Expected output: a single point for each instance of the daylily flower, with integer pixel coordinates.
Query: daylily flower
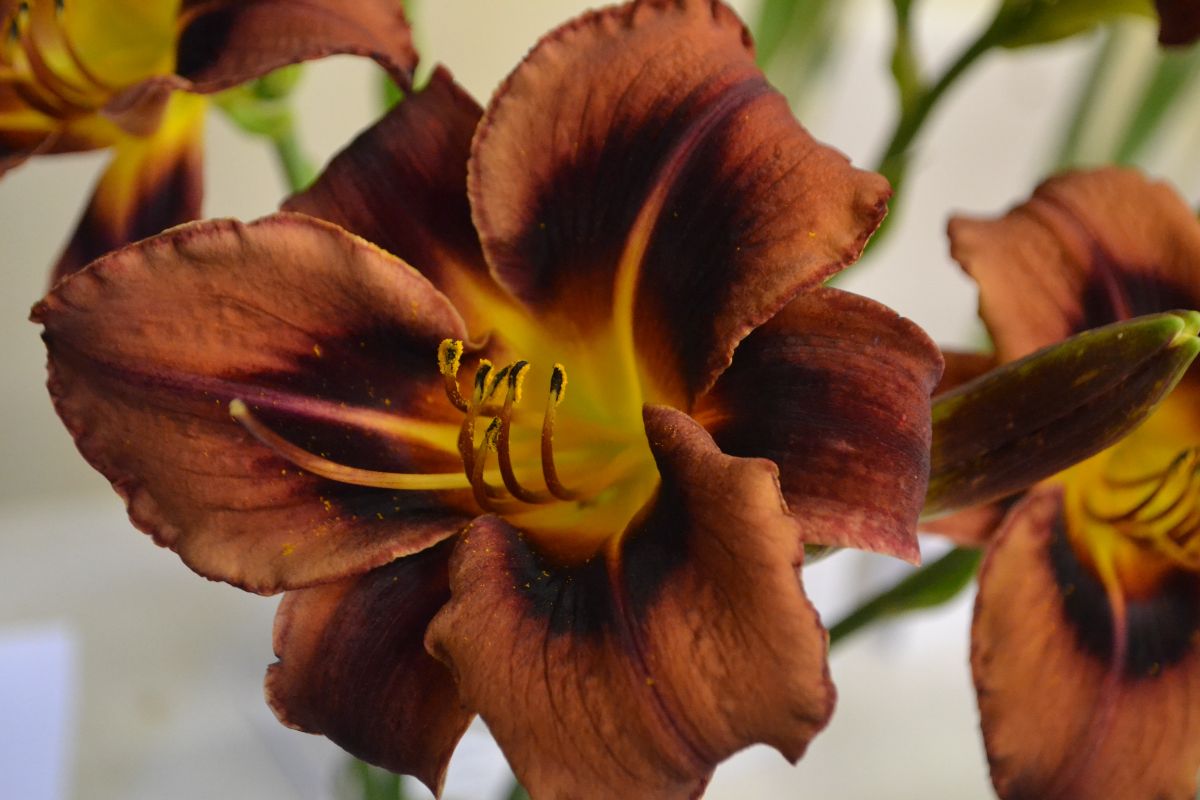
(1086, 638)
(593, 540)
(1179, 21)
(131, 74)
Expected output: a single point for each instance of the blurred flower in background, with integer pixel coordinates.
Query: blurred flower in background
(131, 74)
(1085, 642)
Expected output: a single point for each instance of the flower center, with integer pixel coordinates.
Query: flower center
(571, 501)
(1134, 509)
(43, 66)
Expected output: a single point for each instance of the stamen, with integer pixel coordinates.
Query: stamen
(558, 388)
(1166, 516)
(466, 434)
(449, 357)
(516, 379)
(339, 472)
(478, 486)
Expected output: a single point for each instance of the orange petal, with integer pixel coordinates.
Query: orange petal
(419, 211)
(637, 672)
(1061, 719)
(835, 390)
(638, 156)
(329, 340)
(1180, 21)
(352, 666)
(1087, 249)
(151, 184)
(226, 42)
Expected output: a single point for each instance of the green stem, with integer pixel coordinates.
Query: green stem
(517, 792)
(297, 167)
(931, 585)
(894, 162)
(1095, 80)
(373, 783)
(1174, 73)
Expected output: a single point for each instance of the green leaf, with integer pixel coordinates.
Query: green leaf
(1032, 418)
(1021, 23)
(932, 585)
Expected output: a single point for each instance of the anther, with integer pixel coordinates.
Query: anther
(558, 388)
(449, 357)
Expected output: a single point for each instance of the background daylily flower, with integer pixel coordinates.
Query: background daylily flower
(1180, 21)
(594, 540)
(130, 75)
(1085, 639)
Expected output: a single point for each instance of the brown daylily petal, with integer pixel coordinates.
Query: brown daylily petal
(640, 670)
(1087, 249)
(226, 42)
(638, 156)
(324, 336)
(1061, 720)
(835, 390)
(973, 527)
(420, 211)
(1180, 21)
(151, 184)
(353, 666)
(962, 368)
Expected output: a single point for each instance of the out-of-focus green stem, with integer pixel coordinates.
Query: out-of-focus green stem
(297, 168)
(1175, 72)
(893, 164)
(1091, 87)
(931, 585)
(373, 783)
(517, 792)
(906, 69)
(263, 108)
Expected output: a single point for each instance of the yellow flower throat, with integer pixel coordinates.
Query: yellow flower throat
(1133, 510)
(68, 58)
